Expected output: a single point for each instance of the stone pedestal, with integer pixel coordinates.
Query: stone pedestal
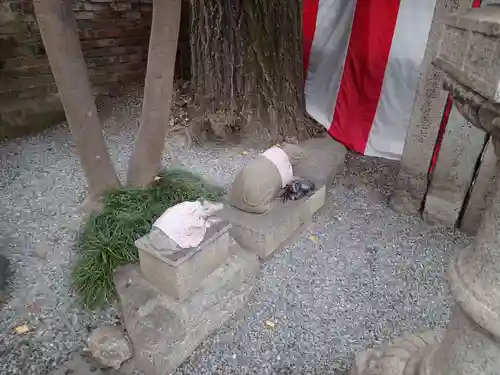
(470, 345)
(178, 271)
(265, 233)
(164, 331)
(177, 297)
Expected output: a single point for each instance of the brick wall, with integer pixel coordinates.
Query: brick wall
(114, 36)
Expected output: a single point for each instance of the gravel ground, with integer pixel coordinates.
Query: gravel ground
(360, 275)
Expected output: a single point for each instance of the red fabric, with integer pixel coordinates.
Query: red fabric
(309, 14)
(442, 128)
(369, 47)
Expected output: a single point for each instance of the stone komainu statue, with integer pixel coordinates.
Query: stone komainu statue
(258, 183)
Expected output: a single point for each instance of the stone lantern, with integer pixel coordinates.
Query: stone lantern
(469, 55)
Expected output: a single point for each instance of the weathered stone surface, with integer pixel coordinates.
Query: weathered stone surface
(471, 343)
(263, 234)
(110, 346)
(476, 205)
(178, 271)
(323, 159)
(475, 275)
(465, 349)
(165, 331)
(425, 119)
(468, 50)
(460, 150)
(398, 357)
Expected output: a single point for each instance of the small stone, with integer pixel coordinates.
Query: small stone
(109, 345)
(42, 250)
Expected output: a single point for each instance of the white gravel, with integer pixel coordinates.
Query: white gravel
(366, 275)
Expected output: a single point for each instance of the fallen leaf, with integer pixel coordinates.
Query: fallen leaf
(314, 239)
(244, 152)
(22, 329)
(270, 324)
(157, 178)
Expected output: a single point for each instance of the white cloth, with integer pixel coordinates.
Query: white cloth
(186, 223)
(280, 159)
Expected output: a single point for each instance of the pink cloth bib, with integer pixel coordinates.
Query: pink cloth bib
(280, 159)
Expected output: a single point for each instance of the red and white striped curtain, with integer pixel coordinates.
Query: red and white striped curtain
(363, 61)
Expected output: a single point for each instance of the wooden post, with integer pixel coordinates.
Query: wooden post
(60, 36)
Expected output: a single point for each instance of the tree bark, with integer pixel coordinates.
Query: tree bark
(146, 155)
(59, 32)
(246, 67)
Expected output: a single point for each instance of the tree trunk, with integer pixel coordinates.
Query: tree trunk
(146, 156)
(247, 69)
(60, 36)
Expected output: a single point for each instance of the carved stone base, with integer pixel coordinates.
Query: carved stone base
(405, 356)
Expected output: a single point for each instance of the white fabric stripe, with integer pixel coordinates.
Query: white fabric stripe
(388, 132)
(328, 53)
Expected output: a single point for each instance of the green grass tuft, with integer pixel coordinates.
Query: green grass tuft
(107, 239)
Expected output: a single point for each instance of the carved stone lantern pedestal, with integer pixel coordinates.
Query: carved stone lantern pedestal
(470, 56)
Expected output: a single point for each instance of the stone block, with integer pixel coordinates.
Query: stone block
(426, 116)
(165, 331)
(460, 150)
(468, 50)
(482, 183)
(178, 271)
(265, 233)
(109, 346)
